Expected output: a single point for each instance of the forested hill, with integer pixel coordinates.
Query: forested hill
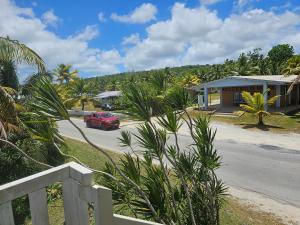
(247, 64)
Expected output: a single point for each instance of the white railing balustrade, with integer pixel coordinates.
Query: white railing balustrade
(78, 192)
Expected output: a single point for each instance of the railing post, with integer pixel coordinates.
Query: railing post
(103, 208)
(76, 210)
(38, 207)
(6, 214)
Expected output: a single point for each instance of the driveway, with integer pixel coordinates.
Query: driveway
(258, 162)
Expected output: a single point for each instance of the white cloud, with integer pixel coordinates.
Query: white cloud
(209, 2)
(131, 40)
(50, 18)
(21, 24)
(101, 17)
(89, 33)
(200, 36)
(142, 14)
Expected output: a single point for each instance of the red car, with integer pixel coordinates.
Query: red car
(102, 120)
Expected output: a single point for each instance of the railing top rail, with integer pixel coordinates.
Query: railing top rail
(26, 185)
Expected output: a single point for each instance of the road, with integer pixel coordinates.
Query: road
(262, 168)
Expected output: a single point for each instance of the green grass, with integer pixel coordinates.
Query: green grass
(233, 212)
(276, 123)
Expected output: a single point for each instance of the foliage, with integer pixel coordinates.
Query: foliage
(18, 125)
(80, 92)
(13, 50)
(278, 55)
(293, 68)
(179, 181)
(255, 104)
(63, 73)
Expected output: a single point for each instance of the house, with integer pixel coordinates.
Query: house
(108, 96)
(230, 89)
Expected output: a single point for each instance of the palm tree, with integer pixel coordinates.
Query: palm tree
(293, 68)
(13, 52)
(244, 67)
(80, 92)
(63, 73)
(255, 104)
(8, 75)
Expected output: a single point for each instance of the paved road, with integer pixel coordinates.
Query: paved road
(265, 169)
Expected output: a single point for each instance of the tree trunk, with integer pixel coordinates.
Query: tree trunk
(82, 106)
(260, 120)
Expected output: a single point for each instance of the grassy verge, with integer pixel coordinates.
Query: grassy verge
(233, 212)
(276, 123)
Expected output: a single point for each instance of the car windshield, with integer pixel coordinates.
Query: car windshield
(106, 115)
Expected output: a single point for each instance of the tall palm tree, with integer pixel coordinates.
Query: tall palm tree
(63, 73)
(293, 68)
(13, 52)
(244, 67)
(255, 104)
(80, 92)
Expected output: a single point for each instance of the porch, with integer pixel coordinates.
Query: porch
(230, 89)
(78, 194)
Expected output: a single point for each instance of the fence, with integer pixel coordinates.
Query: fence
(78, 192)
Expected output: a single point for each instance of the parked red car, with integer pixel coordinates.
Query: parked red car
(102, 120)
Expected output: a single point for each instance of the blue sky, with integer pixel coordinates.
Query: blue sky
(105, 37)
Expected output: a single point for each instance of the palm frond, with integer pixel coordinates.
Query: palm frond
(16, 51)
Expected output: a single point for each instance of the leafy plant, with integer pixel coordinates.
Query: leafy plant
(179, 181)
(255, 104)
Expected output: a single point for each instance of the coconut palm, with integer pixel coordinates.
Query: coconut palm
(293, 68)
(80, 92)
(19, 53)
(244, 67)
(63, 73)
(12, 52)
(255, 104)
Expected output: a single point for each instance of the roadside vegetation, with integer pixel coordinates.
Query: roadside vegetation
(232, 213)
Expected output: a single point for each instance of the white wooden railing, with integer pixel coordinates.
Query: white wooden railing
(78, 192)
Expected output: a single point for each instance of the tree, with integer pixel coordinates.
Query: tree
(255, 104)
(244, 67)
(80, 92)
(8, 74)
(182, 187)
(63, 73)
(293, 68)
(13, 50)
(11, 53)
(278, 55)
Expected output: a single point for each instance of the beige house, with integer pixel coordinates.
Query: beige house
(230, 89)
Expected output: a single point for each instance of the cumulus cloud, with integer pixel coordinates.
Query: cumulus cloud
(142, 14)
(131, 40)
(200, 36)
(101, 17)
(209, 2)
(21, 24)
(49, 18)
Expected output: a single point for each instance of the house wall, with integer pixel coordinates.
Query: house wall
(229, 92)
(293, 99)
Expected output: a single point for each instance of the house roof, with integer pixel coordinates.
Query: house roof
(236, 81)
(108, 94)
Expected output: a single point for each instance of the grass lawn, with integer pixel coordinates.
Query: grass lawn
(276, 123)
(233, 212)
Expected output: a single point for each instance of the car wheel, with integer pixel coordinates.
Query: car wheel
(88, 125)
